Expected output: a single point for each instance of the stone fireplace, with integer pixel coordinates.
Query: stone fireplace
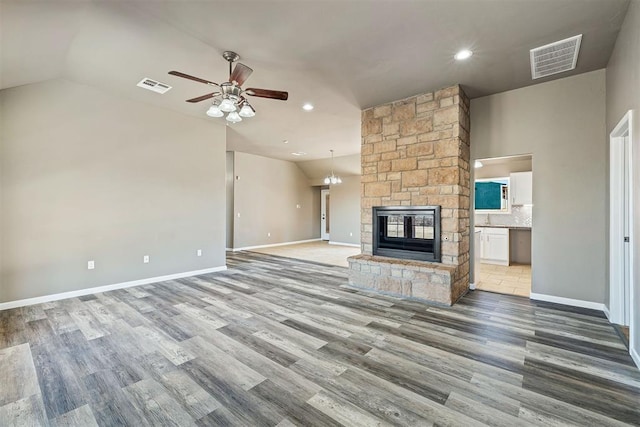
(415, 153)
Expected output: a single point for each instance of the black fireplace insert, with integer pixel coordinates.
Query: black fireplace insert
(409, 232)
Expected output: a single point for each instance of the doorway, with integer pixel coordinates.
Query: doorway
(503, 217)
(621, 225)
(325, 222)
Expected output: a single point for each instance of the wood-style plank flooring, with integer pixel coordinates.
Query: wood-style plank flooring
(277, 341)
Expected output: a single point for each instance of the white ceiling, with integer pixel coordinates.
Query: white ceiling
(342, 56)
(499, 167)
(341, 166)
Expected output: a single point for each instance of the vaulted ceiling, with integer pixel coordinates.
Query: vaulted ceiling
(342, 56)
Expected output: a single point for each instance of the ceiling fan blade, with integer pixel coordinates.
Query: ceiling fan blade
(196, 79)
(203, 97)
(266, 93)
(240, 74)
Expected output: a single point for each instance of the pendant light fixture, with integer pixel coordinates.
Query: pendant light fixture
(332, 179)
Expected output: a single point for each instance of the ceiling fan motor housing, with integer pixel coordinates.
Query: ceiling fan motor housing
(231, 91)
(230, 56)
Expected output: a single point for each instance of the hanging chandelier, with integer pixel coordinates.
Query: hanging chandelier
(332, 178)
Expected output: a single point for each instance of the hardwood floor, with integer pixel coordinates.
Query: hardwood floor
(278, 341)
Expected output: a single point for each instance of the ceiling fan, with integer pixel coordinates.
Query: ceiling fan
(229, 96)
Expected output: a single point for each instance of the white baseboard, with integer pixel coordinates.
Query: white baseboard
(89, 291)
(354, 245)
(246, 248)
(606, 312)
(635, 356)
(568, 301)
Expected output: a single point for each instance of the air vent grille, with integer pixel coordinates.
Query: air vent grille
(153, 85)
(555, 57)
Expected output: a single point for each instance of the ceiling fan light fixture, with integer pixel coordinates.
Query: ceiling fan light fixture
(227, 106)
(229, 96)
(247, 110)
(234, 117)
(214, 111)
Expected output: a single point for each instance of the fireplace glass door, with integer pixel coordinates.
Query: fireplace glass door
(408, 232)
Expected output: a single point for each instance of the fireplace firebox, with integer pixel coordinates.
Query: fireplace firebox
(408, 232)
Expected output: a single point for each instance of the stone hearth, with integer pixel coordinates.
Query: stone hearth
(415, 152)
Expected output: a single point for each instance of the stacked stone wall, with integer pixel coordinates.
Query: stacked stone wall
(415, 152)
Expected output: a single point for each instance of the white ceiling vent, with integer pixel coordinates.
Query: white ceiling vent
(555, 57)
(153, 85)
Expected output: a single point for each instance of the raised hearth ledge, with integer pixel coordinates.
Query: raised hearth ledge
(428, 281)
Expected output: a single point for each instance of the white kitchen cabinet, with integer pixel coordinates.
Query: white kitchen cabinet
(494, 245)
(521, 187)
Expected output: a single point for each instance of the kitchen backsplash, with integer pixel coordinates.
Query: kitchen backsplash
(520, 216)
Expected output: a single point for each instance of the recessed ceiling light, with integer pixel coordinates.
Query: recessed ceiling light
(299, 153)
(307, 107)
(463, 54)
(286, 141)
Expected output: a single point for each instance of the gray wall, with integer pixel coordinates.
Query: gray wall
(229, 184)
(623, 94)
(345, 211)
(562, 124)
(266, 196)
(87, 176)
(345, 198)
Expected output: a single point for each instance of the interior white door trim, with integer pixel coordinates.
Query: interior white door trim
(324, 214)
(621, 298)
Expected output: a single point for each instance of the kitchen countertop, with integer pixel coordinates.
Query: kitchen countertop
(511, 227)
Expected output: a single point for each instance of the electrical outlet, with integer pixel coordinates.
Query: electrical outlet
(351, 234)
(145, 259)
(268, 234)
(238, 214)
(199, 252)
(91, 265)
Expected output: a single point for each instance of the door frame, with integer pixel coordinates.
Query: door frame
(618, 303)
(324, 214)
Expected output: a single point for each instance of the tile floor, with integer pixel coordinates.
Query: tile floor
(514, 279)
(320, 251)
